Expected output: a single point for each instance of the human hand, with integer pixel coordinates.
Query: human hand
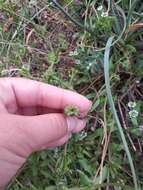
(31, 119)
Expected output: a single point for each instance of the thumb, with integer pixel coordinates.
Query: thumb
(39, 131)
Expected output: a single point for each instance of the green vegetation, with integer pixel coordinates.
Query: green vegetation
(95, 48)
(71, 111)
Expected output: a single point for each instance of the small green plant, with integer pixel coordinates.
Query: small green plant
(134, 110)
(62, 46)
(71, 111)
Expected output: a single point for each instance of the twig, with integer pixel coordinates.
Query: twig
(135, 26)
(28, 36)
(105, 141)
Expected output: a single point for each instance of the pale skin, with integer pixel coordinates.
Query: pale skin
(32, 119)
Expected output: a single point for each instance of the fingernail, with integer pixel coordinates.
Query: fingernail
(81, 125)
(73, 123)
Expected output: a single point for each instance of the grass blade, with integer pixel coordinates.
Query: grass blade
(111, 102)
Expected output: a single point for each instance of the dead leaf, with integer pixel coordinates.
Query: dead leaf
(135, 26)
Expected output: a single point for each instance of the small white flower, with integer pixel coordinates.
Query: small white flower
(77, 61)
(73, 53)
(137, 81)
(90, 64)
(104, 14)
(88, 67)
(100, 8)
(132, 104)
(133, 113)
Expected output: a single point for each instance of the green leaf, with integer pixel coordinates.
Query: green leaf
(85, 165)
(52, 58)
(101, 179)
(113, 109)
(95, 105)
(91, 95)
(84, 179)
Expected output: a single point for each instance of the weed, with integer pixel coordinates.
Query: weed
(71, 111)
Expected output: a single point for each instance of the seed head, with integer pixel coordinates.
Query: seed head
(71, 111)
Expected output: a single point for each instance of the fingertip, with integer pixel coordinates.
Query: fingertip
(86, 108)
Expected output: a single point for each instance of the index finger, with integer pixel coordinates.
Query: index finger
(32, 93)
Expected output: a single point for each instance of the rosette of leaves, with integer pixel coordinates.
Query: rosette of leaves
(71, 111)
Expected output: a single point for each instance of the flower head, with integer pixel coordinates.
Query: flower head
(132, 104)
(71, 111)
(73, 53)
(133, 113)
(104, 14)
(100, 8)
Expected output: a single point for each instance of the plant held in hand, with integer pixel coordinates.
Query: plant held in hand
(71, 110)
